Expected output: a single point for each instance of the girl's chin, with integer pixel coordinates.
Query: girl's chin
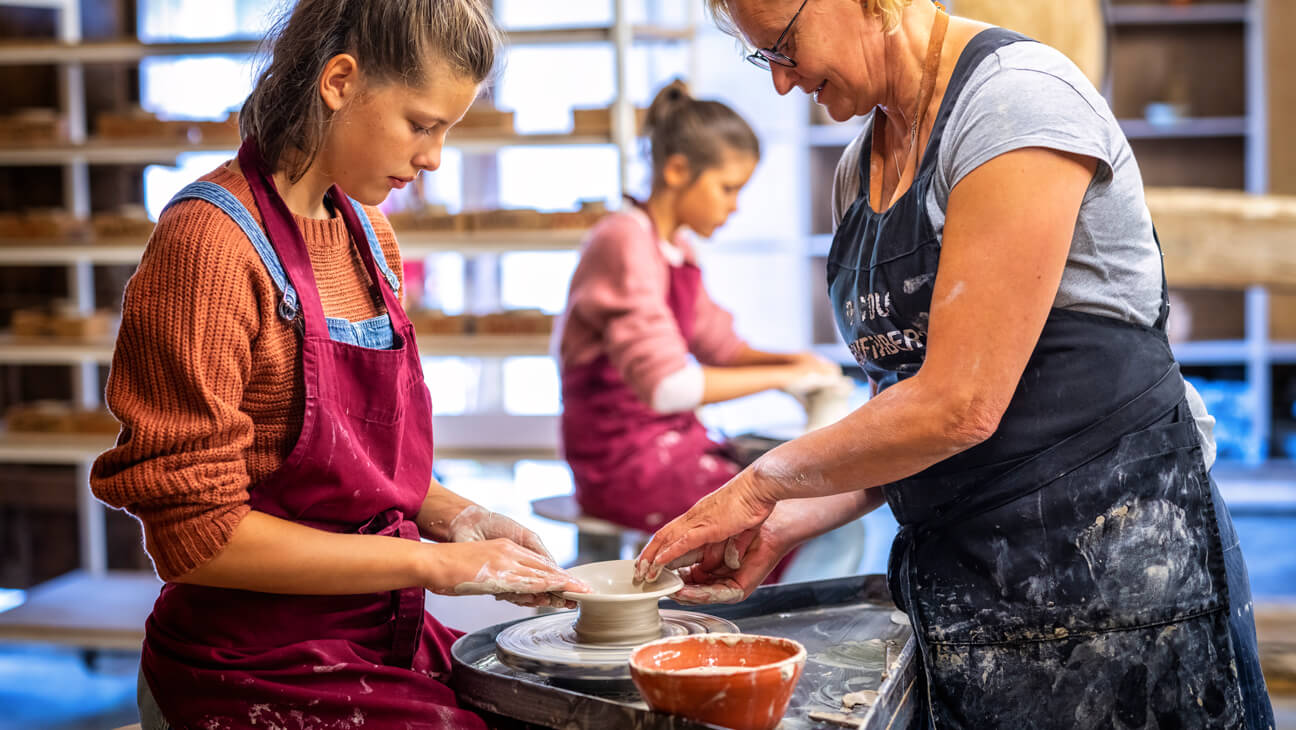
(368, 195)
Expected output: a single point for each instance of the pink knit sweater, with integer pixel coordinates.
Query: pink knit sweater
(618, 306)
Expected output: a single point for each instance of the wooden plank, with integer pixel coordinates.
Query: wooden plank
(1074, 28)
(1276, 632)
(1225, 239)
(78, 609)
(1279, 25)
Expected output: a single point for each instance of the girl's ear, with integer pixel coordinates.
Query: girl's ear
(339, 80)
(677, 173)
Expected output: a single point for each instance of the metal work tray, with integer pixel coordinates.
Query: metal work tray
(845, 624)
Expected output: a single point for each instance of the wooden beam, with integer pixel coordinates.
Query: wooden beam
(1223, 239)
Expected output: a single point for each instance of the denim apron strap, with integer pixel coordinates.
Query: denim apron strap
(231, 206)
(375, 247)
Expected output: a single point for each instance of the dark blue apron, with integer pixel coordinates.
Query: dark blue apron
(1067, 572)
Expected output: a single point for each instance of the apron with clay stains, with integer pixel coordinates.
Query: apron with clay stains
(229, 659)
(1068, 572)
(632, 465)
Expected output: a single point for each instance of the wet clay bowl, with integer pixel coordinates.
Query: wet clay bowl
(619, 611)
(742, 681)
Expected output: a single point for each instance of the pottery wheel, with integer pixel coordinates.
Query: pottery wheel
(548, 645)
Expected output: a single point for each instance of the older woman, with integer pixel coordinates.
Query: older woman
(1064, 557)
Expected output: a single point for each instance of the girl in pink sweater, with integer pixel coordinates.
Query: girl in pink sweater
(637, 311)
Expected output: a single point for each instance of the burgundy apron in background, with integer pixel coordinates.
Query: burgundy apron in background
(632, 465)
(224, 658)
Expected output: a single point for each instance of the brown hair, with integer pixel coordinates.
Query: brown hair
(391, 39)
(888, 10)
(699, 129)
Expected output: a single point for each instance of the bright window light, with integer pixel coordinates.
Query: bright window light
(161, 183)
(453, 383)
(531, 386)
(536, 280)
(195, 87)
(172, 20)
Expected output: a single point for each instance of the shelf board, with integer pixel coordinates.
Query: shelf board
(512, 438)
(52, 448)
(1193, 13)
(1231, 352)
(84, 610)
(414, 243)
(101, 152)
(1267, 487)
(483, 345)
(1186, 128)
(54, 4)
(71, 351)
(55, 350)
(58, 252)
(13, 53)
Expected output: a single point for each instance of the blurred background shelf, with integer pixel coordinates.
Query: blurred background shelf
(515, 438)
(1186, 128)
(414, 244)
(23, 53)
(102, 152)
(69, 351)
(1185, 13)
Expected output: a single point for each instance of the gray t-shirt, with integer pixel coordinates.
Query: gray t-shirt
(1031, 95)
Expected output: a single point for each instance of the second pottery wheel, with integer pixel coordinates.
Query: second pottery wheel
(594, 643)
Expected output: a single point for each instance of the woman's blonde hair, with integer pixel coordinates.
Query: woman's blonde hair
(888, 10)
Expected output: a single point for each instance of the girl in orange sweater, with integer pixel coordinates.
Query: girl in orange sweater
(277, 434)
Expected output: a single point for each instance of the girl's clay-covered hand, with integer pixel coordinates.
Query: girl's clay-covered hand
(721, 525)
(478, 523)
(497, 567)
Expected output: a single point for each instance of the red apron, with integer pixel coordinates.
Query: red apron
(222, 658)
(632, 465)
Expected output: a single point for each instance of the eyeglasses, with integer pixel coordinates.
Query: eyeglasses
(763, 58)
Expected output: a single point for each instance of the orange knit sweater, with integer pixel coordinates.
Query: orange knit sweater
(206, 378)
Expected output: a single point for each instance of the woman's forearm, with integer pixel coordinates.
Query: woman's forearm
(269, 554)
(799, 520)
(898, 433)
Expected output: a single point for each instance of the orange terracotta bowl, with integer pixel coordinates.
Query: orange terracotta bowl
(741, 681)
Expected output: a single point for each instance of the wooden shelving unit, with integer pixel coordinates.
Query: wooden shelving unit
(487, 436)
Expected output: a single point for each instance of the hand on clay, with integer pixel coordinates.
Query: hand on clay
(475, 523)
(720, 527)
(730, 575)
(501, 568)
